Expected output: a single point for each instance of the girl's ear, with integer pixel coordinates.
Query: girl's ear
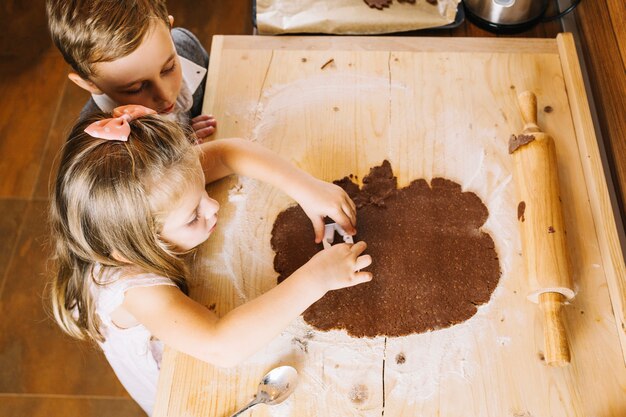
(83, 83)
(171, 18)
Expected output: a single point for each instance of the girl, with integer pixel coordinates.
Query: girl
(129, 203)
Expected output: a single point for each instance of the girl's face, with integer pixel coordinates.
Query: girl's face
(192, 218)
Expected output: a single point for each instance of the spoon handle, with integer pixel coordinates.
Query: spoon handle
(250, 404)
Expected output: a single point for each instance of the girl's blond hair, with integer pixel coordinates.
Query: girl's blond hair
(91, 31)
(108, 205)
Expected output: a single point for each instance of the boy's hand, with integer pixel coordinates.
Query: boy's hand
(339, 266)
(323, 199)
(204, 126)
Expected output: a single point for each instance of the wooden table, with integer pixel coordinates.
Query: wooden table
(433, 107)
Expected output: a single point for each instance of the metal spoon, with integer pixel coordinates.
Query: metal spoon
(274, 388)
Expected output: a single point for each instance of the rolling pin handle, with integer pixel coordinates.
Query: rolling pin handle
(528, 108)
(557, 350)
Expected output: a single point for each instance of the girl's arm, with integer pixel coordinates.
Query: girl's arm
(317, 198)
(191, 328)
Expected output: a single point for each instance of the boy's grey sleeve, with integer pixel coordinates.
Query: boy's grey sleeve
(188, 46)
(88, 109)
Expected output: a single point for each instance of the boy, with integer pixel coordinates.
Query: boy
(126, 52)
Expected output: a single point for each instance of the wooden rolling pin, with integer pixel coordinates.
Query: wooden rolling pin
(541, 222)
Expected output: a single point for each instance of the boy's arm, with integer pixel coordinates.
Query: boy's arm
(317, 198)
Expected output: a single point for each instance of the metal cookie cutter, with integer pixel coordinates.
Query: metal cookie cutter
(329, 235)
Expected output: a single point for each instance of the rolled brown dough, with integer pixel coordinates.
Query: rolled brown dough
(432, 264)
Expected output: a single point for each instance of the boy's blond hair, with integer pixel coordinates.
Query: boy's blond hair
(109, 202)
(91, 31)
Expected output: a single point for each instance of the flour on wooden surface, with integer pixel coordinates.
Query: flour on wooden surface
(333, 366)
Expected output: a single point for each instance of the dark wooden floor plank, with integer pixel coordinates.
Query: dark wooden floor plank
(208, 17)
(12, 215)
(35, 356)
(24, 29)
(41, 406)
(30, 93)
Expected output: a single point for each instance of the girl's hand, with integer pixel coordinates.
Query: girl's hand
(204, 126)
(339, 266)
(322, 199)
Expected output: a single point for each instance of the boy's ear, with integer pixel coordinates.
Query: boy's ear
(83, 83)
(171, 18)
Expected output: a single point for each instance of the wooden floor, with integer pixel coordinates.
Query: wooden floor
(42, 372)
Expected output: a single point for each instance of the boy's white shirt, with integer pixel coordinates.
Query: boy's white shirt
(192, 77)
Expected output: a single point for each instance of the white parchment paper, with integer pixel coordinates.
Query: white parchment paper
(350, 16)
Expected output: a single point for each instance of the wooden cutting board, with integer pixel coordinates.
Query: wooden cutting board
(432, 107)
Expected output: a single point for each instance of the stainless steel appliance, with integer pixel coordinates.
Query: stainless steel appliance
(505, 15)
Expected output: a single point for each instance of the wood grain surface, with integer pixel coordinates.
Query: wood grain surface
(433, 107)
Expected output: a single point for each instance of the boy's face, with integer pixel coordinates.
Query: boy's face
(150, 76)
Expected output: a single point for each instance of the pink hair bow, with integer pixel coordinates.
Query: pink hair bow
(117, 127)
